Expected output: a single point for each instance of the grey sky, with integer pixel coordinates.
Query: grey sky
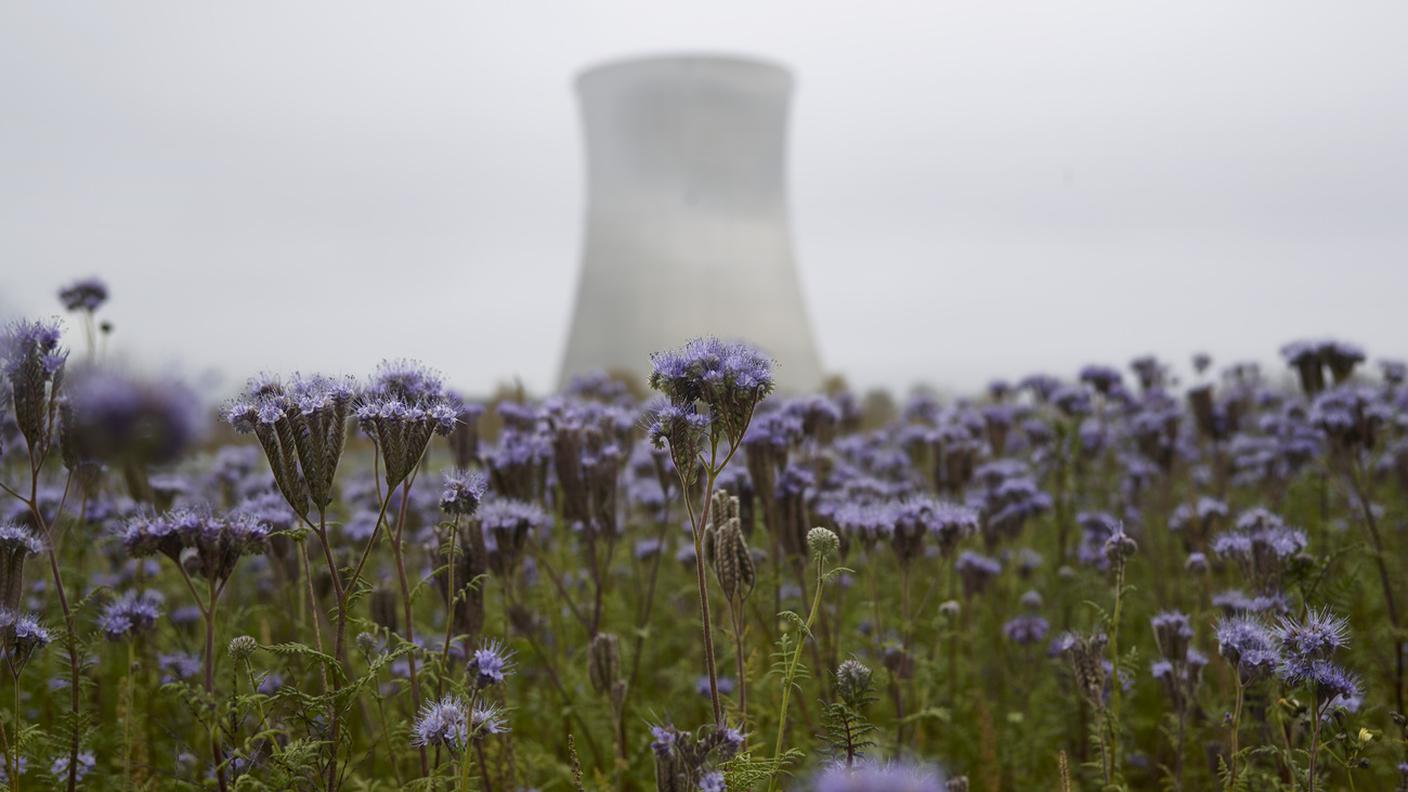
(978, 188)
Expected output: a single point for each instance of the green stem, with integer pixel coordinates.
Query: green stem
(1236, 726)
(791, 674)
(1113, 717)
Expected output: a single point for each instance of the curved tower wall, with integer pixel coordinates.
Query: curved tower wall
(687, 229)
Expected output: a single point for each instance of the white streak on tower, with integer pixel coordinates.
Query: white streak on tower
(687, 230)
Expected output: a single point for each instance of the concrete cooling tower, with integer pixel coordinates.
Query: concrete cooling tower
(687, 230)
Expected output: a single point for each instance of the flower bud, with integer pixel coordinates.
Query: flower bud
(822, 543)
(242, 647)
(604, 662)
(853, 683)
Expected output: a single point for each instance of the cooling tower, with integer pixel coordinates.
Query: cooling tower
(687, 230)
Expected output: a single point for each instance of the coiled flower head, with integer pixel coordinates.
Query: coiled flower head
(242, 647)
(822, 543)
(17, 542)
(853, 683)
(33, 363)
(21, 635)
(302, 428)
(726, 549)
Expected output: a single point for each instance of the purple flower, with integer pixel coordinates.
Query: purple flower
(32, 362)
(1172, 632)
(976, 571)
(726, 685)
(86, 764)
(1102, 378)
(130, 614)
(877, 777)
(23, 635)
(402, 430)
(730, 377)
(217, 542)
(1316, 637)
(86, 294)
(491, 664)
(1248, 644)
(1026, 630)
(463, 492)
(707, 369)
(487, 719)
(178, 665)
(406, 381)
(1072, 400)
(507, 526)
(113, 416)
(664, 738)
(17, 542)
(712, 782)
(442, 722)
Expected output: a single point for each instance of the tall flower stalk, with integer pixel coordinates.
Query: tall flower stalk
(728, 380)
(33, 365)
(203, 546)
(822, 544)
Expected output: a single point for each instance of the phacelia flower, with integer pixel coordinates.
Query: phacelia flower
(17, 542)
(487, 719)
(976, 571)
(33, 364)
(1025, 630)
(130, 614)
(442, 723)
(86, 764)
(86, 294)
(463, 491)
(730, 377)
(491, 664)
(21, 635)
(1249, 645)
(878, 777)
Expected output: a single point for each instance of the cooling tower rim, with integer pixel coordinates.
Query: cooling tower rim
(670, 63)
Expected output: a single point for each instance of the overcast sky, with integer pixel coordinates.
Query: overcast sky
(978, 189)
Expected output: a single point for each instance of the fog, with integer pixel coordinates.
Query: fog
(977, 189)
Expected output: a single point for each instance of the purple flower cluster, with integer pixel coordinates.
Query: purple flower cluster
(443, 723)
(879, 777)
(85, 294)
(205, 544)
(33, 364)
(130, 614)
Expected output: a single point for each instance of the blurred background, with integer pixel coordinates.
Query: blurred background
(977, 189)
